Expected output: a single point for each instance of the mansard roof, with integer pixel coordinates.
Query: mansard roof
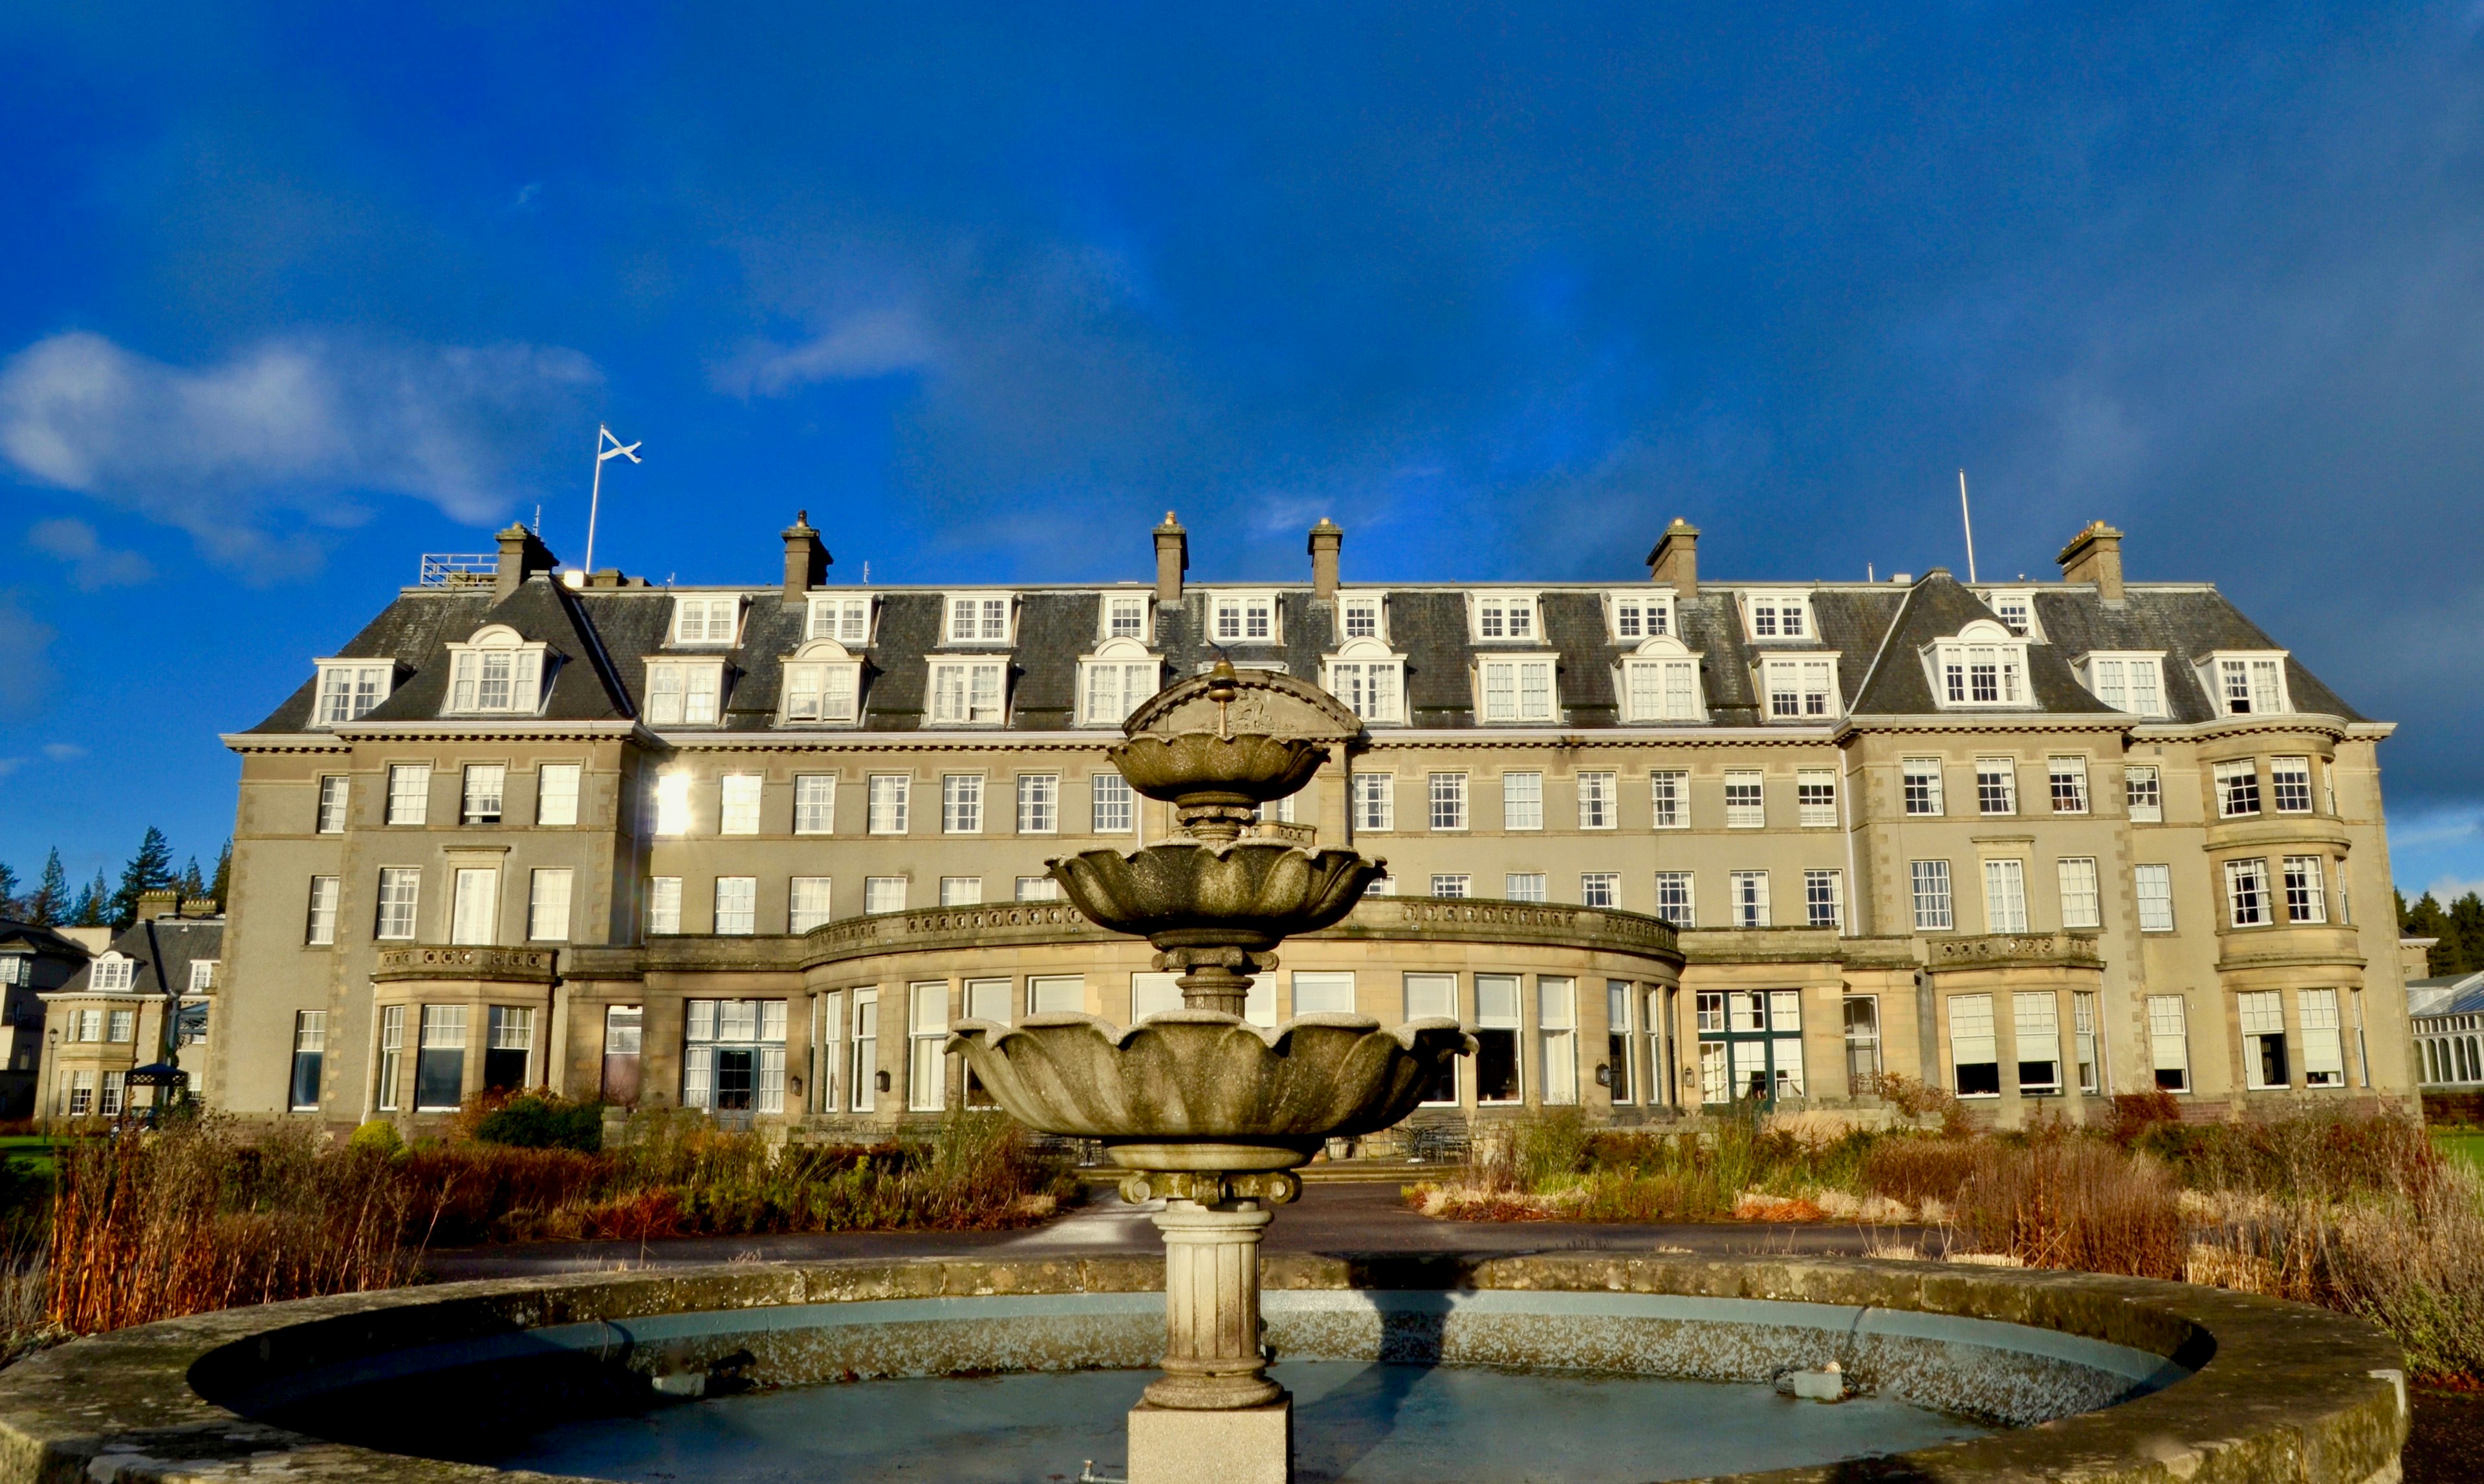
(163, 949)
(602, 638)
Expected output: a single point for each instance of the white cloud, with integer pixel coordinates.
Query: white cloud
(877, 342)
(289, 426)
(92, 563)
(63, 752)
(2449, 888)
(9, 765)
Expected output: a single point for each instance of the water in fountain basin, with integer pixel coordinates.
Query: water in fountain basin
(1355, 1423)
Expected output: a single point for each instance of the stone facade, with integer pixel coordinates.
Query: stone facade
(753, 849)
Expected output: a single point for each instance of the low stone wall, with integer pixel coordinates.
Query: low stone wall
(2279, 1391)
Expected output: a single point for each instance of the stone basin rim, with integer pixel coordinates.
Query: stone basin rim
(1119, 1036)
(2289, 1391)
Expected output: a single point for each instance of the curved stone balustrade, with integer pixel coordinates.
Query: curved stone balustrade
(2017, 950)
(430, 960)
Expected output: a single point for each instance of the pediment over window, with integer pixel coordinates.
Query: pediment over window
(1986, 630)
(1369, 678)
(1114, 680)
(828, 650)
(822, 683)
(498, 671)
(1663, 646)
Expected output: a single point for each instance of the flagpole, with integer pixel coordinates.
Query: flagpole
(595, 501)
(1969, 521)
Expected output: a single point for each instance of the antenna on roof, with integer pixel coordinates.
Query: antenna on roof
(866, 574)
(1969, 521)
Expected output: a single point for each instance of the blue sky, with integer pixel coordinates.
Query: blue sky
(296, 293)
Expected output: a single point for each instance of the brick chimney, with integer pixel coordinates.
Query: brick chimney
(1173, 559)
(2094, 555)
(1676, 559)
(1327, 540)
(522, 555)
(806, 561)
(158, 903)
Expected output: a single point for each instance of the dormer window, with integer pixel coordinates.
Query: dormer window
(2134, 683)
(846, 620)
(977, 618)
(1518, 690)
(969, 692)
(1639, 616)
(822, 683)
(1799, 688)
(1661, 683)
(2016, 607)
(1127, 616)
(113, 974)
(2246, 685)
(685, 692)
(1358, 616)
(350, 688)
(496, 673)
(1780, 616)
(706, 620)
(1244, 618)
(1369, 680)
(1114, 680)
(1505, 616)
(1984, 665)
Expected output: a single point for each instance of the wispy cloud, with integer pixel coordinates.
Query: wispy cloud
(92, 563)
(25, 657)
(63, 752)
(877, 342)
(224, 451)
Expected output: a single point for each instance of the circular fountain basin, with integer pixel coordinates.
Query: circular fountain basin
(1579, 1366)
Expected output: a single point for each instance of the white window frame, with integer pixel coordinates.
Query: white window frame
(883, 894)
(810, 901)
(1505, 695)
(1746, 902)
(2151, 885)
(664, 906)
(2259, 1015)
(1369, 679)
(1955, 665)
(1115, 603)
(1747, 798)
(1522, 800)
(1599, 799)
(1355, 602)
(319, 926)
(962, 803)
(706, 619)
(557, 807)
(2324, 1051)
(968, 620)
(670, 795)
(966, 692)
(1038, 804)
(2245, 681)
(1557, 1029)
(2082, 891)
(1523, 886)
(334, 808)
(1600, 888)
(2237, 786)
(2286, 775)
(2169, 1041)
(1245, 616)
(738, 797)
(396, 917)
(1499, 616)
(1634, 615)
(1114, 680)
(1678, 891)
(843, 619)
(2000, 600)
(822, 686)
(961, 891)
(887, 802)
(1112, 805)
(2143, 792)
(2065, 784)
(2126, 680)
(814, 803)
(1447, 803)
(736, 906)
(1668, 799)
(350, 689)
(1457, 883)
(548, 905)
(1777, 614)
(1800, 688)
(474, 906)
(482, 792)
(1823, 898)
(1935, 900)
(1814, 798)
(2035, 1025)
(2247, 894)
(1376, 802)
(2006, 769)
(2306, 890)
(1659, 683)
(2005, 895)
(525, 677)
(409, 793)
(1927, 773)
(1973, 1040)
(685, 692)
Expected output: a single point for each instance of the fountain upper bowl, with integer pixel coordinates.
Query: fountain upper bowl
(1204, 768)
(1243, 893)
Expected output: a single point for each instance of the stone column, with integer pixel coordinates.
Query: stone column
(1214, 1414)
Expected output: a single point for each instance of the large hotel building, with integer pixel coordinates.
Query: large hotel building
(1662, 844)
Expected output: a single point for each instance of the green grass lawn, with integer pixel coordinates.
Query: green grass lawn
(2467, 1147)
(34, 1149)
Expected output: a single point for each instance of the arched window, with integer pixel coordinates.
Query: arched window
(496, 672)
(822, 683)
(1660, 681)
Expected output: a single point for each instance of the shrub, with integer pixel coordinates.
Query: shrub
(2075, 1203)
(2134, 1114)
(1550, 1148)
(379, 1135)
(543, 1120)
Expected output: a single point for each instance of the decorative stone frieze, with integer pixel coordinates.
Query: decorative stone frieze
(428, 961)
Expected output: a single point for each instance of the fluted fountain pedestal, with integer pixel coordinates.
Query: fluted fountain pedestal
(1214, 1414)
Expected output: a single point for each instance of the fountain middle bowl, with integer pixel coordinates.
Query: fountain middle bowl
(1244, 893)
(1197, 1090)
(1205, 768)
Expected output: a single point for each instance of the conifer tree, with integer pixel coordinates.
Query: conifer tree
(49, 906)
(93, 908)
(194, 886)
(222, 886)
(9, 903)
(150, 870)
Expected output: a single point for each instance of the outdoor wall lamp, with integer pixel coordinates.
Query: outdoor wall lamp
(881, 1078)
(1603, 1075)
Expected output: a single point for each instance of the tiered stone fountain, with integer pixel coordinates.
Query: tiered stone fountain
(1206, 1110)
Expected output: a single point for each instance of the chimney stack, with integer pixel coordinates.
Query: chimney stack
(522, 555)
(1173, 559)
(1327, 540)
(1676, 559)
(2094, 555)
(806, 561)
(158, 903)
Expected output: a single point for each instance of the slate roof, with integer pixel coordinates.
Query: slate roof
(164, 947)
(39, 939)
(601, 639)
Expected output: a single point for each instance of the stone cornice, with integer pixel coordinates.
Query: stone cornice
(2296, 723)
(345, 739)
(1981, 722)
(249, 743)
